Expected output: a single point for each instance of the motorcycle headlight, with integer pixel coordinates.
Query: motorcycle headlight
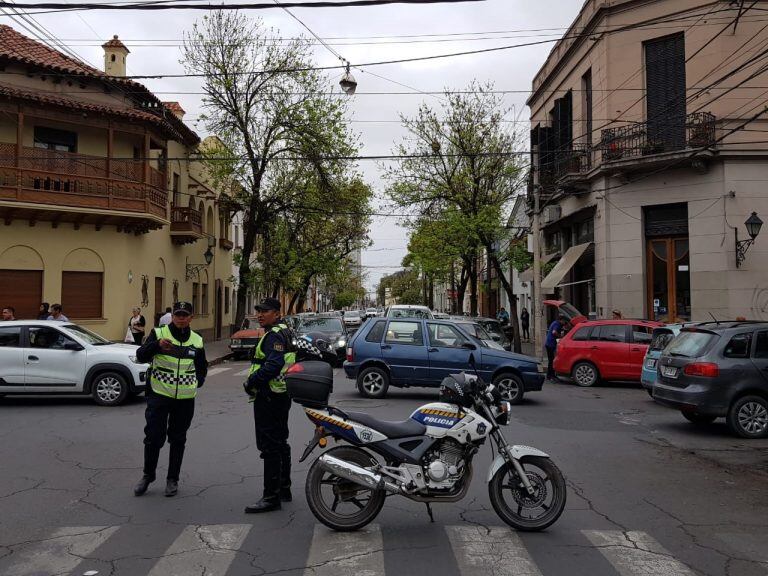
(341, 342)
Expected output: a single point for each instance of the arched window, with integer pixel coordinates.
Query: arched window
(112, 58)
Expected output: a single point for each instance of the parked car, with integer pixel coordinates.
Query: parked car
(407, 311)
(571, 313)
(659, 339)
(597, 350)
(496, 330)
(352, 318)
(718, 369)
(332, 327)
(474, 328)
(242, 342)
(407, 352)
(40, 356)
(440, 315)
(371, 312)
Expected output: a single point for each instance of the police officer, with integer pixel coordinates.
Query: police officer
(178, 369)
(272, 357)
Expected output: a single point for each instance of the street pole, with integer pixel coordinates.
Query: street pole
(538, 306)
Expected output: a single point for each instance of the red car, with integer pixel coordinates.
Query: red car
(604, 350)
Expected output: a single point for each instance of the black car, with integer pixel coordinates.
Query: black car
(496, 330)
(332, 327)
(718, 369)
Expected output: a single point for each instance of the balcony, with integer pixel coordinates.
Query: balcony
(186, 225)
(55, 186)
(646, 144)
(225, 244)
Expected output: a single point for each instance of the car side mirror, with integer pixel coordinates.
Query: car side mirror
(469, 346)
(74, 346)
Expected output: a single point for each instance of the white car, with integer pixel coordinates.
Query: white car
(45, 356)
(371, 312)
(408, 311)
(352, 318)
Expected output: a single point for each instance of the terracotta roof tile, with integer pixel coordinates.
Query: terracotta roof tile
(174, 107)
(115, 42)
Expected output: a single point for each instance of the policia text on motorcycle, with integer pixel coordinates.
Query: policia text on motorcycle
(178, 369)
(273, 355)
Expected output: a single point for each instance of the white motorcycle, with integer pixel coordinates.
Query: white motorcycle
(427, 458)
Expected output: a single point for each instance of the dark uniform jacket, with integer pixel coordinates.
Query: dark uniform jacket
(151, 346)
(274, 347)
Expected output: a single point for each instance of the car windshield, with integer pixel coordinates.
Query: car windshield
(491, 325)
(408, 313)
(690, 344)
(320, 325)
(660, 339)
(352, 314)
(87, 335)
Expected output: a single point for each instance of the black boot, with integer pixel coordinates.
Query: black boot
(285, 494)
(141, 488)
(266, 504)
(171, 487)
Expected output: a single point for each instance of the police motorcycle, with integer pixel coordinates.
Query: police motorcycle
(427, 458)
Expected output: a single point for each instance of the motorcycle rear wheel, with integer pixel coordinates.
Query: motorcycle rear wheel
(321, 485)
(511, 501)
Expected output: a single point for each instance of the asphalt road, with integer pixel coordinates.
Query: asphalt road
(649, 495)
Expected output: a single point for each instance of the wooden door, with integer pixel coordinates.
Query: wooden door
(219, 309)
(23, 290)
(159, 296)
(669, 285)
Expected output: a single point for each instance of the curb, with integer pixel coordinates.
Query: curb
(220, 359)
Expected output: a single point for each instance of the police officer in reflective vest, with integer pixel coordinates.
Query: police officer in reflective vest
(179, 368)
(273, 355)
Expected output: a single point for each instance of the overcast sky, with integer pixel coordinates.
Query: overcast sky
(505, 22)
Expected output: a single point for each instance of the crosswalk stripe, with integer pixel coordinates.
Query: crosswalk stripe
(205, 550)
(497, 551)
(243, 372)
(60, 553)
(636, 554)
(218, 370)
(358, 553)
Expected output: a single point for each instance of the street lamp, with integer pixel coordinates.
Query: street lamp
(193, 270)
(348, 83)
(753, 226)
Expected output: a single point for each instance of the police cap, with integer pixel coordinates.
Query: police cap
(182, 307)
(268, 304)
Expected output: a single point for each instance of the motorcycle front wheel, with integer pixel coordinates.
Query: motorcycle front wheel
(338, 503)
(524, 511)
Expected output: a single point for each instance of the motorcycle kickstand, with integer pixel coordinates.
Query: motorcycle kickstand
(429, 511)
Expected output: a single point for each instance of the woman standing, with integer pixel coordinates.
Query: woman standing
(136, 325)
(525, 323)
(44, 311)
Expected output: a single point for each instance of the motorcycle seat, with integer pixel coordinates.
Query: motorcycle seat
(390, 429)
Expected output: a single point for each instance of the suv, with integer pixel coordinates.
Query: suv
(597, 350)
(718, 369)
(45, 356)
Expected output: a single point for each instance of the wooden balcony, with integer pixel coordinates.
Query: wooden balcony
(54, 186)
(225, 244)
(186, 225)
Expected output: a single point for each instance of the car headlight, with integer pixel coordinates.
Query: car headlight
(134, 360)
(236, 342)
(341, 342)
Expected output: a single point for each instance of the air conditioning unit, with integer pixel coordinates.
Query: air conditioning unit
(552, 213)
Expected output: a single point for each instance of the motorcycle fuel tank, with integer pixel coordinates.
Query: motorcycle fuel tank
(443, 419)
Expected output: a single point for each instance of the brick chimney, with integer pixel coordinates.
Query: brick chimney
(176, 108)
(114, 57)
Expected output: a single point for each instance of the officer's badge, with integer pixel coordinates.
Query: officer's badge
(278, 347)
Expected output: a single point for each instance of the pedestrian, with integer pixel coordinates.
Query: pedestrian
(9, 313)
(502, 316)
(136, 324)
(525, 323)
(165, 319)
(616, 315)
(43, 313)
(553, 333)
(178, 368)
(273, 355)
(57, 314)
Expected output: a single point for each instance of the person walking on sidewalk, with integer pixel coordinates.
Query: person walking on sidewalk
(57, 313)
(553, 333)
(136, 324)
(273, 355)
(525, 324)
(178, 369)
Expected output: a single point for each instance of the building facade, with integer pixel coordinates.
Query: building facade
(648, 158)
(103, 206)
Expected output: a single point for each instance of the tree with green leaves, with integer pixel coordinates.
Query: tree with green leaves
(464, 157)
(268, 106)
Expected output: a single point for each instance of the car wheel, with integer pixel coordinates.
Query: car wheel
(698, 418)
(109, 389)
(585, 374)
(511, 387)
(748, 417)
(373, 383)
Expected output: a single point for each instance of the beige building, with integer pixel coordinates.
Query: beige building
(649, 154)
(101, 206)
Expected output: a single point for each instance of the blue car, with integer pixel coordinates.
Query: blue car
(406, 352)
(659, 340)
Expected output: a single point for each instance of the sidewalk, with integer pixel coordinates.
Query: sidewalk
(217, 351)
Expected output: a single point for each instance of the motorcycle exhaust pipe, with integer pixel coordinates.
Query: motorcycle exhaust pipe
(356, 474)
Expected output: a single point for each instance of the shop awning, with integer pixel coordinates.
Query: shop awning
(527, 274)
(567, 262)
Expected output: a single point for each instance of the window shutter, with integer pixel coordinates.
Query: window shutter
(81, 294)
(23, 290)
(665, 91)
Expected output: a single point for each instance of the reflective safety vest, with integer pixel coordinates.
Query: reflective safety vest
(276, 384)
(171, 375)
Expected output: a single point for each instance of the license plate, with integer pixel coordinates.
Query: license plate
(650, 363)
(669, 371)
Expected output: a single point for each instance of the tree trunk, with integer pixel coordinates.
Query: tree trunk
(461, 290)
(513, 316)
(431, 293)
(473, 287)
(293, 302)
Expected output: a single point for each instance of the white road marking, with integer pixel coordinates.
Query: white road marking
(205, 550)
(636, 554)
(499, 552)
(60, 553)
(243, 372)
(218, 370)
(346, 553)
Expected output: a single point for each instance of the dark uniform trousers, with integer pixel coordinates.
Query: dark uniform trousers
(270, 414)
(171, 418)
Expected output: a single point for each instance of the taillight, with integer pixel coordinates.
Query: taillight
(295, 368)
(705, 369)
(350, 354)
